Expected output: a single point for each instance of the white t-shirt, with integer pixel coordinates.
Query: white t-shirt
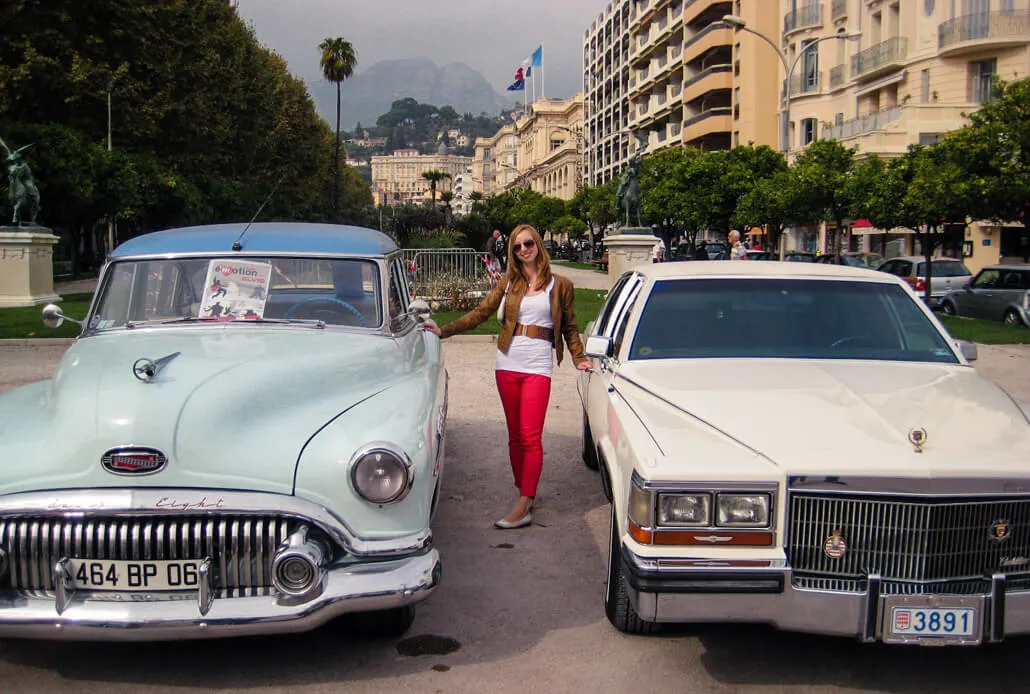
(531, 355)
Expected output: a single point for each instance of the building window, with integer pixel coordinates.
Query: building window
(927, 139)
(928, 7)
(982, 72)
(810, 64)
(838, 118)
(925, 87)
(1008, 5)
(808, 130)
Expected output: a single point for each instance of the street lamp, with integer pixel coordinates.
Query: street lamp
(738, 23)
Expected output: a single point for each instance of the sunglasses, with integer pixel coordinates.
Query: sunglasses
(525, 244)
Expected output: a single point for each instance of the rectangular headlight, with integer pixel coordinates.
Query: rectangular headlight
(742, 510)
(685, 509)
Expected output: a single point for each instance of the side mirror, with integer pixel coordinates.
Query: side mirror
(420, 310)
(53, 318)
(968, 349)
(598, 347)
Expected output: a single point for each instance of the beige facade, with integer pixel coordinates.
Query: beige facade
(918, 66)
(397, 178)
(550, 141)
(495, 164)
(672, 72)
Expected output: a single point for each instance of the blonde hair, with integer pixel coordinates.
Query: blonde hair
(516, 276)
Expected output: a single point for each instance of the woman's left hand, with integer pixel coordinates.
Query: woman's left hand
(585, 366)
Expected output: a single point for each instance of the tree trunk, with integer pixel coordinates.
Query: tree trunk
(336, 158)
(927, 254)
(838, 240)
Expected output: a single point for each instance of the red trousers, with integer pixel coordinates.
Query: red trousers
(524, 398)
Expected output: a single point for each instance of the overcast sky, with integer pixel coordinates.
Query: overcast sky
(491, 36)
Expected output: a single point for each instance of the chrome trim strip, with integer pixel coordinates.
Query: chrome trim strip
(202, 503)
(205, 591)
(907, 486)
(996, 630)
(63, 584)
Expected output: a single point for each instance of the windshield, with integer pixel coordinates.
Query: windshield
(786, 318)
(330, 291)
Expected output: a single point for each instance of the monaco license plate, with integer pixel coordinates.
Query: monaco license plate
(934, 619)
(120, 575)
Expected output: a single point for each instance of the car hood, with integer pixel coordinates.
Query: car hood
(232, 410)
(831, 417)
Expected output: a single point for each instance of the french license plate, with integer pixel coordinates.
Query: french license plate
(923, 618)
(120, 575)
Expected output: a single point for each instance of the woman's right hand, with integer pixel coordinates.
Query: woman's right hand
(431, 327)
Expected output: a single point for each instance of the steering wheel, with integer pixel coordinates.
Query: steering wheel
(326, 304)
(851, 339)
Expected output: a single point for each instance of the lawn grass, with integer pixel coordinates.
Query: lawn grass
(27, 321)
(578, 265)
(986, 332)
(588, 305)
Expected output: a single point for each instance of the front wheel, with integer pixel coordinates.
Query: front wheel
(617, 605)
(1012, 317)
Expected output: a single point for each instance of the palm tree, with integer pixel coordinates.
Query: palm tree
(476, 197)
(446, 197)
(434, 176)
(338, 62)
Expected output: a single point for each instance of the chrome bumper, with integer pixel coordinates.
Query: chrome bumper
(358, 588)
(769, 596)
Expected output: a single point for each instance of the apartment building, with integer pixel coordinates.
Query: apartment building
(397, 178)
(673, 71)
(916, 68)
(550, 140)
(495, 162)
(462, 187)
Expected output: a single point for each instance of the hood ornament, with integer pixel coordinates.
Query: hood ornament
(147, 369)
(917, 437)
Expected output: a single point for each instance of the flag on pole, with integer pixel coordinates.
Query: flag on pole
(538, 56)
(520, 82)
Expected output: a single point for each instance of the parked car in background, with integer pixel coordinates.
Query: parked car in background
(853, 259)
(948, 274)
(803, 446)
(246, 438)
(762, 255)
(799, 257)
(717, 250)
(998, 292)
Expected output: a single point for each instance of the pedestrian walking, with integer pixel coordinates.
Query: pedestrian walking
(737, 249)
(537, 312)
(499, 249)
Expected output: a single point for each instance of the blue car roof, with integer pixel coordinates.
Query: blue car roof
(264, 237)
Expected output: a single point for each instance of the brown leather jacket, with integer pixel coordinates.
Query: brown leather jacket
(563, 313)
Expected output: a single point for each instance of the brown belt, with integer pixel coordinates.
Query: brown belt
(535, 331)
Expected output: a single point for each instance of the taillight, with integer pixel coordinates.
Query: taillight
(920, 284)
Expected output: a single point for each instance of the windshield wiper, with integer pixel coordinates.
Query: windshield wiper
(164, 321)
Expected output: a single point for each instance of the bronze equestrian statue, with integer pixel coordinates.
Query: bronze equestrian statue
(23, 187)
(628, 197)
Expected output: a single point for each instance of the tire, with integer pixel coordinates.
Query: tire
(382, 624)
(948, 308)
(1012, 317)
(589, 449)
(617, 605)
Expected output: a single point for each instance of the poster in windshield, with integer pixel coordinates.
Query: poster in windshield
(235, 290)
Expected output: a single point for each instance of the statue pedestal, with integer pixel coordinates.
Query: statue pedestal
(630, 247)
(26, 266)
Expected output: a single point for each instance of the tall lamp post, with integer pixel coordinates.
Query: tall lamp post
(110, 221)
(788, 68)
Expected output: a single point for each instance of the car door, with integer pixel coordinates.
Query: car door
(596, 385)
(974, 302)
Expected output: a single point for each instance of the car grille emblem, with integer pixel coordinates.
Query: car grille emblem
(1000, 530)
(835, 547)
(917, 437)
(134, 461)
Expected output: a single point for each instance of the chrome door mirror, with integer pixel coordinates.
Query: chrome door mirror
(598, 347)
(968, 349)
(53, 317)
(419, 309)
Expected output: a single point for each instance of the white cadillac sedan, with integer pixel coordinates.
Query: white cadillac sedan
(803, 445)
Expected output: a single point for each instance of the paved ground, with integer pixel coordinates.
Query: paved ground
(523, 606)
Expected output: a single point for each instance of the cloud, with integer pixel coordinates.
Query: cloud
(487, 35)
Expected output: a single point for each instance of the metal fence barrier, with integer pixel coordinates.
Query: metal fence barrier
(448, 274)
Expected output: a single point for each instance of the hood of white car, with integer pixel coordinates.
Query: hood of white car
(831, 417)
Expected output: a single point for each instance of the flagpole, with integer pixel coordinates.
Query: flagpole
(542, 77)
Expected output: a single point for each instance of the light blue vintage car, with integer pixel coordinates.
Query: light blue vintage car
(247, 437)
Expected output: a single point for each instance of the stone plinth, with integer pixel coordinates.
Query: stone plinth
(630, 247)
(26, 266)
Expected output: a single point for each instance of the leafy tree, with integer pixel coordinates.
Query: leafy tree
(821, 177)
(338, 62)
(570, 226)
(770, 203)
(434, 177)
(446, 197)
(476, 198)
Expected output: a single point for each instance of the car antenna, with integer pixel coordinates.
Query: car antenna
(237, 245)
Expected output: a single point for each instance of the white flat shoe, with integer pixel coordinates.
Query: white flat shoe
(511, 525)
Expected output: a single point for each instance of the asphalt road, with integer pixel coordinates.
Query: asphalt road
(523, 608)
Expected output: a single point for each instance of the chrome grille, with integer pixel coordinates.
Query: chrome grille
(241, 547)
(907, 539)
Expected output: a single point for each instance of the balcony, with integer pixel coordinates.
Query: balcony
(838, 77)
(705, 40)
(838, 10)
(862, 125)
(805, 84)
(883, 57)
(714, 8)
(714, 120)
(710, 79)
(805, 17)
(974, 31)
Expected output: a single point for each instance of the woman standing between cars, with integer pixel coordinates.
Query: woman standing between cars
(538, 315)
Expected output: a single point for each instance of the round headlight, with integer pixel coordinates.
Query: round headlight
(381, 475)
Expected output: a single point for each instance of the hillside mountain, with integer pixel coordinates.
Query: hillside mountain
(368, 95)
